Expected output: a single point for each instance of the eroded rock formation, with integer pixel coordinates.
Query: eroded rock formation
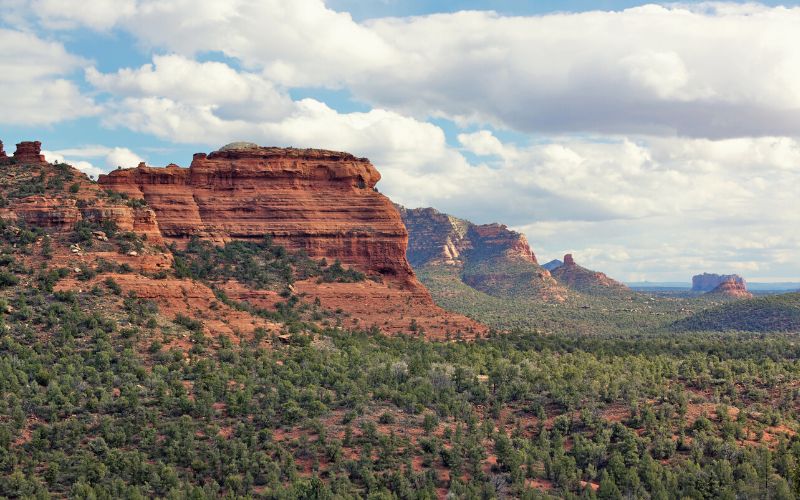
(490, 257)
(733, 288)
(707, 282)
(322, 202)
(29, 152)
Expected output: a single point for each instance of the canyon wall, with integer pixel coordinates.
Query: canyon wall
(321, 202)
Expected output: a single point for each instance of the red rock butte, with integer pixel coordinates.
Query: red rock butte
(322, 202)
(27, 152)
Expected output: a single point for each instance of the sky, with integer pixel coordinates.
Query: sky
(652, 141)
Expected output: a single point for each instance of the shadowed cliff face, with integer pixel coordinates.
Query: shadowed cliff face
(321, 202)
(489, 258)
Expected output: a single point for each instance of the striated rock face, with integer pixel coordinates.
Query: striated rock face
(585, 280)
(434, 237)
(490, 257)
(441, 238)
(322, 202)
(707, 282)
(731, 287)
(29, 152)
(3, 155)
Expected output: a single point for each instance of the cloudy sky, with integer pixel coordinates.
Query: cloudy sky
(653, 141)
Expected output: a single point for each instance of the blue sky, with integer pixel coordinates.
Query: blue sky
(651, 140)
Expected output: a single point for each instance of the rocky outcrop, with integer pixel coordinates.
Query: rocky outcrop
(29, 152)
(585, 280)
(490, 258)
(733, 288)
(435, 237)
(321, 202)
(707, 282)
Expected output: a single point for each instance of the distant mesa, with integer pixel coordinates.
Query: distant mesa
(707, 282)
(553, 264)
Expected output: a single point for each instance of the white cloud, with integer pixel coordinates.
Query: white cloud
(35, 89)
(96, 14)
(712, 70)
(229, 93)
(482, 143)
(111, 158)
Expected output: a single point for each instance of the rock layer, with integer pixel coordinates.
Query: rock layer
(321, 202)
(29, 152)
(707, 282)
(490, 258)
(733, 288)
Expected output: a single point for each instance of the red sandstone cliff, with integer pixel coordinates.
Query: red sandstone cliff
(733, 288)
(322, 202)
(489, 257)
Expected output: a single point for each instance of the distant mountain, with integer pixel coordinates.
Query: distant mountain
(489, 258)
(553, 264)
(585, 280)
(762, 314)
(707, 282)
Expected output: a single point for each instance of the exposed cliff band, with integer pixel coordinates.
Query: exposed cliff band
(321, 202)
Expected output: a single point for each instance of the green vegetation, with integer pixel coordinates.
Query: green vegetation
(763, 314)
(259, 264)
(101, 410)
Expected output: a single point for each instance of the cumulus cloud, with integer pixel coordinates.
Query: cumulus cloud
(33, 78)
(111, 157)
(708, 71)
(229, 93)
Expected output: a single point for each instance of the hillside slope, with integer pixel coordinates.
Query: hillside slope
(762, 314)
(241, 214)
